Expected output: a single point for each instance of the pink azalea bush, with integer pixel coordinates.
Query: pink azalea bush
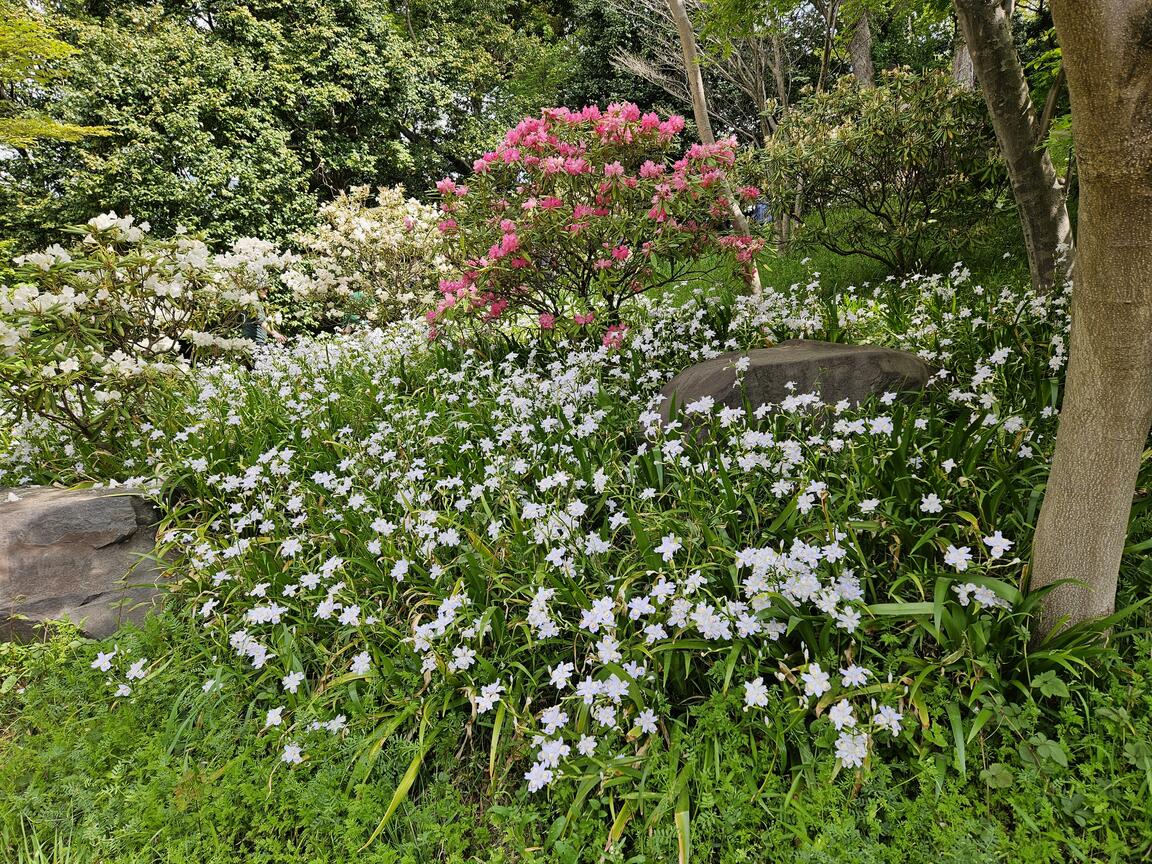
(577, 211)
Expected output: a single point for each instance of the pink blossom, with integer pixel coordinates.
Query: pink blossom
(586, 318)
(650, 169)
(547, 322)
(614, 169)
(614, 336)
(575, 166)
(447, 225)
(446, 186)
(671, 127)
(621, 253)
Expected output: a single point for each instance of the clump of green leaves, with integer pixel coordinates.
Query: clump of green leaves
(30, 58)
(900, 173)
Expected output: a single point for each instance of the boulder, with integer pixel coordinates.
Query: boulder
(835, 371)
(75, 554)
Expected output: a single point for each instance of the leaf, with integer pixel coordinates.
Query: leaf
(402, 789)
(683, 838)
(1052, 750)
(1050, 685)
(997, 776)
(957, 724)
(618, 826)
(496, 726)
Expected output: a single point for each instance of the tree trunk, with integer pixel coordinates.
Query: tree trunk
(988, 33)
(962, 72)
(1107, 407)
(703, 123)
(860, 51)
(784, 217)
(1049, 112)
(829, 10)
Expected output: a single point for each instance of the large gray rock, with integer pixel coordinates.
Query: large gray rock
(835, 371)
(75, 554)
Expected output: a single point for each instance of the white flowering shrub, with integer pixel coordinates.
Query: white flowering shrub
(90, 333)
(368, 260)
(382, 536)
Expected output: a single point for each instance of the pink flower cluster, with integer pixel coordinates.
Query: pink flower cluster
(574, 206)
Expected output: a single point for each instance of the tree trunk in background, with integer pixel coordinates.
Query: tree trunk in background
(987, 28)
(962, 72)
(1107, 408)
(703, 123)
(860, 51)
(828, 9)
(784, 217)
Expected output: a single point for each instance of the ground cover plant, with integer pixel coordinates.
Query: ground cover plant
(403, 564)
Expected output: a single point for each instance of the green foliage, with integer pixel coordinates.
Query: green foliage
(238, 119)
(195, 143)
(904, 173)
(176, 775)
(30, 59)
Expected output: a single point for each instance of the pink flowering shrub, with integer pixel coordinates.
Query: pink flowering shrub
(576, 211)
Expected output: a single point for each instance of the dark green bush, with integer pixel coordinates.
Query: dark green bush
(905, 173)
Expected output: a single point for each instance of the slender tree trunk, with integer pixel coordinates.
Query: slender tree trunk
(703, 123)
(860, 51)
(779, 75)
(829, 9)
(1107, 407)
(1049, 112)
(988, 32)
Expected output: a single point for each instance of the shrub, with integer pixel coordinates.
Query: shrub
(88, 334)
(903, 173)
(575, 212)
(365, 263)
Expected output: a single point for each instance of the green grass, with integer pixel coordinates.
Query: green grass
(175, 776)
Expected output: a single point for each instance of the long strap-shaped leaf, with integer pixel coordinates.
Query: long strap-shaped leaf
(401, 793)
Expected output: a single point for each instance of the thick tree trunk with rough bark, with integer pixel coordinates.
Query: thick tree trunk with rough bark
(700, 113)
(860, 51)
(987, 29)
(1107, 407)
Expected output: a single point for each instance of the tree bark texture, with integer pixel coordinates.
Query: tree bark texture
(1107, 406)
(962, 72)
(987, 28)
(860, 51)
(703, 123)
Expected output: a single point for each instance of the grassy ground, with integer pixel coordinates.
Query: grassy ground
(177, 776)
